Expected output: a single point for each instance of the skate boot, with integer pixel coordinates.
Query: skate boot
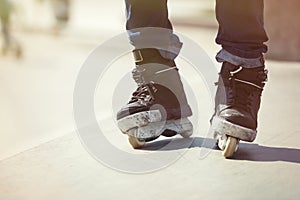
(159, 105)
(237, 103)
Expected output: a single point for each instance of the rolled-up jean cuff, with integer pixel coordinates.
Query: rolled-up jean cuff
(225, 56)
(162, 39)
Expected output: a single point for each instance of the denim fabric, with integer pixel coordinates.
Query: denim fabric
(162, 39)
(225, 56)
(241, 29)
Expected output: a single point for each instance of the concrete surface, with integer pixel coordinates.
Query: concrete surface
(42, 156)
(283, 29)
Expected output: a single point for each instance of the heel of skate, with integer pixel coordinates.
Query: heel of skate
(221, 126)
(182, 127)
(228, 135)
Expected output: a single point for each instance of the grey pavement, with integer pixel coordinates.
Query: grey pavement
(42, 157)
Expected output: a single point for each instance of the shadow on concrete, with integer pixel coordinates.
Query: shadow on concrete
(170, 144)
(255, 152)
(246, 151)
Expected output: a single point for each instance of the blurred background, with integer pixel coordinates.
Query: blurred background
(44, 42)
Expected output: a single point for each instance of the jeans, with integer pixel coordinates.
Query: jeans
(241, 29)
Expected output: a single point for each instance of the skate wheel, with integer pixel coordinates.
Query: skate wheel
(231, 147)
(135, 142)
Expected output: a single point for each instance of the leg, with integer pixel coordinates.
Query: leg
(148, 26)
(242, 77)
(241, 27)
(143, 13)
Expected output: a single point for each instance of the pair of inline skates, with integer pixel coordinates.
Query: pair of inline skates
(159, 105)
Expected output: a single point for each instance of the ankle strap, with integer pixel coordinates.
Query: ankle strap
(144, 56)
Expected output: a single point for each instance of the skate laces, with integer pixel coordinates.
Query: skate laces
(144, 92)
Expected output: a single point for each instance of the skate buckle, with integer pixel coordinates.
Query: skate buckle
(137, 54)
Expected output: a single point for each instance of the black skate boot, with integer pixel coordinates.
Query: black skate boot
(159, 105)
(237, 103)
